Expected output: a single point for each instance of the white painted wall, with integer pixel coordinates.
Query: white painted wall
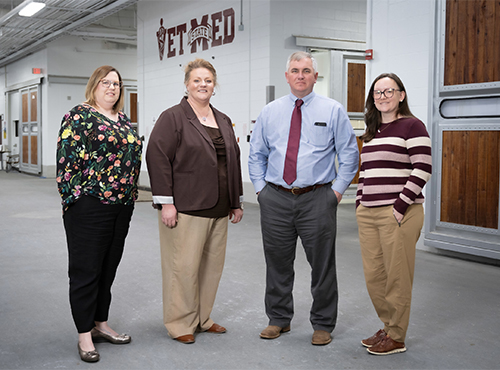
(21, 71)
(400, 36)
(74, 56)
(3, 123)
(323, 83)
(60, 98)
(255, 59)
(345, 20)
(399, 32)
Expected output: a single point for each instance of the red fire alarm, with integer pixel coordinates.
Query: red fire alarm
(369, 54)
(37, 71)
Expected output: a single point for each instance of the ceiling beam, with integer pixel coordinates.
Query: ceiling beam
(14, 11)
(89, 19)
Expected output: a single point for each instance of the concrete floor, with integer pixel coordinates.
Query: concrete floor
(455, 313)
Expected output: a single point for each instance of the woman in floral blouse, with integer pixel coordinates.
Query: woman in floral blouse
(98, 164)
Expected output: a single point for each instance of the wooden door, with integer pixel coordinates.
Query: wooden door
(30, 118)
(470, 178)
(470, 169)
(356, 73)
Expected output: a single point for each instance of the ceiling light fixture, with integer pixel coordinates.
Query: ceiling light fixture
(31, 9)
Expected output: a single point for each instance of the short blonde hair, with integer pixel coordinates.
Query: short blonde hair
(94, 80)
(199, 63)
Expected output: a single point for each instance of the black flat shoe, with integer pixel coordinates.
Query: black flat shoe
(119, 339)
(88, 356)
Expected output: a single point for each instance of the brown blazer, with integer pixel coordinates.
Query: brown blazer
(182, 162)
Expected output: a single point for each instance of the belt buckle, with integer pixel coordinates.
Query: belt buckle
(293, 190)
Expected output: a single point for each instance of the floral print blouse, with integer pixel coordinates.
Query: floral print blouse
(97, 156)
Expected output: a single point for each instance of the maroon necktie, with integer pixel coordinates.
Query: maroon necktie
(290, 172)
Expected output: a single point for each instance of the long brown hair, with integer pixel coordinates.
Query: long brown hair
(94, 80)
(373, 117)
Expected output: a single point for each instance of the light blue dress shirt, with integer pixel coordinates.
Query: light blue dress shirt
(326, 133)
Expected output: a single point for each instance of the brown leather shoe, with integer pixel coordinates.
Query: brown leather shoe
(321, 338)
(273, 331)
(387, 346)
(186, 339)
(374, 339)
(217, 329)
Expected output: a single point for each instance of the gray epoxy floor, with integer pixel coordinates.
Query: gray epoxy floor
(454, 324)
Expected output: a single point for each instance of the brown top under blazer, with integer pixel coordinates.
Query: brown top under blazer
(182, 162)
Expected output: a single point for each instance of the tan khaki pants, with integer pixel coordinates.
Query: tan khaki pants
(192, 259)
(388, 252)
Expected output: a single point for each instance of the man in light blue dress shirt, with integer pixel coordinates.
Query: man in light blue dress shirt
(307, 208)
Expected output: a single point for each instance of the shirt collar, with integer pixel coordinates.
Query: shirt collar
(307, 99)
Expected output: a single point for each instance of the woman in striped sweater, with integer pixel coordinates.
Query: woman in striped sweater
(395, 166)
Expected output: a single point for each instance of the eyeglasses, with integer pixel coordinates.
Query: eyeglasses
(388, 93)
(107, 84)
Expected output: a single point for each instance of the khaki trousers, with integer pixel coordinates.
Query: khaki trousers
(192, 260)
(388, 253)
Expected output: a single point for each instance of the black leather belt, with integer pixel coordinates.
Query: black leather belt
(298, 191)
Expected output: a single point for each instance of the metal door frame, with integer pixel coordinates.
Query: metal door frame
(471, 240)
(31, 128)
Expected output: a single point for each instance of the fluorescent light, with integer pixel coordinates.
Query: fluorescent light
(31, 9)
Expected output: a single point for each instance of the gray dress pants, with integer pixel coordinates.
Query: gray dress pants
(312, 217)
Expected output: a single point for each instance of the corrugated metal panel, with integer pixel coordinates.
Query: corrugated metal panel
(20, 36)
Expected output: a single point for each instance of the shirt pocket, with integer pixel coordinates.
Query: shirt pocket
(319, 134)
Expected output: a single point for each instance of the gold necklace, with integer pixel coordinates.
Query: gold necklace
(386, 125)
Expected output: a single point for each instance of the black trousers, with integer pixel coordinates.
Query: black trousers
(312, 217)
(95, 234)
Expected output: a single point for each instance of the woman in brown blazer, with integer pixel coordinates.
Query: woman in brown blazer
(195, 174)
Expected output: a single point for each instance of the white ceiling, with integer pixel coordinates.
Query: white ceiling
(112, 20)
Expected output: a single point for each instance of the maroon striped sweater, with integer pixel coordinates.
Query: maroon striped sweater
(395, 166)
